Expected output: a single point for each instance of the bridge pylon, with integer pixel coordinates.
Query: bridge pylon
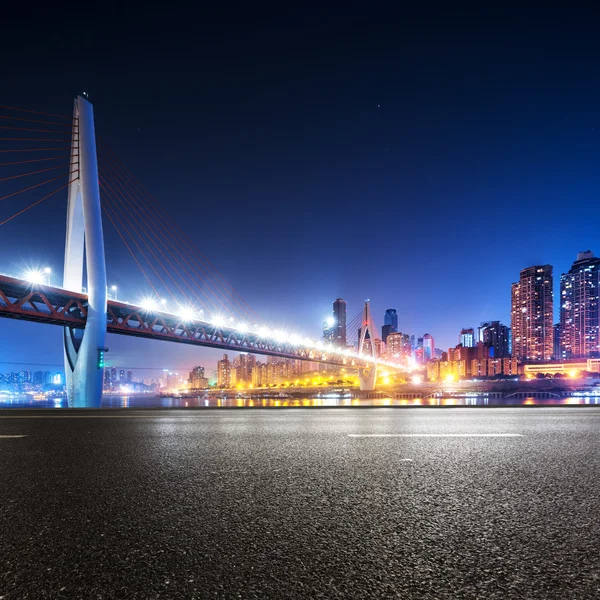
(84, 349)
(367, 375)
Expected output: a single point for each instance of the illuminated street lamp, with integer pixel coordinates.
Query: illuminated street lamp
(113, 289)
(47, 273)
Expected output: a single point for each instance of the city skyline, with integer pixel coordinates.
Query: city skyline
(365, 132)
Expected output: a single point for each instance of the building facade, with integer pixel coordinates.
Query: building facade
(531, 314)
(496, 337)
(390, 323)
(467, 337)
(339, 323)
(224, 372)
(428, 347)
(579, 308)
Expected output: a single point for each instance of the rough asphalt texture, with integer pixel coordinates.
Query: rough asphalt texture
(283, 504)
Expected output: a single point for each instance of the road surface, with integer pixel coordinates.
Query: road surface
(300, 503)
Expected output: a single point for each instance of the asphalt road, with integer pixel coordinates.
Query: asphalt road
(301, 504)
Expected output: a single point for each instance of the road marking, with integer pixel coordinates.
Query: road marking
(416, 435)
(5, 437)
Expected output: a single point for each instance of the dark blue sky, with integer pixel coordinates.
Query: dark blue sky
(417, 159)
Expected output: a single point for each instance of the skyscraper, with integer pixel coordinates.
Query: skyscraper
(328, 329)
(339, 322)
(428, 347)
(497, 336)
(531, 314)
(390, 323)
(467, 337)
(579, 308)
(224, 372)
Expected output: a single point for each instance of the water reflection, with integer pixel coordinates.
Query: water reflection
(271, 402)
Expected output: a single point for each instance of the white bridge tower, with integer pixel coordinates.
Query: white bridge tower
(84, 349)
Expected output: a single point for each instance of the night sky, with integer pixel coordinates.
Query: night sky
(417, 159)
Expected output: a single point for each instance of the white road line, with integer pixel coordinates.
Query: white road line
(418, 435)
(5, 437)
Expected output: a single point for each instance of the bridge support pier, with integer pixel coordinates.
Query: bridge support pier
(367, 376)
(84, 365)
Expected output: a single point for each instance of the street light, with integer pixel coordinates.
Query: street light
(47, 272)
(114, 291)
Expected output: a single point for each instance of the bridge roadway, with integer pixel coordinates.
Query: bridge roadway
(57, 306)
(288, 503)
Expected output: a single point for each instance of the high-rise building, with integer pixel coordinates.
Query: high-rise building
(531, 314)
(390, 323)
(580, 308)
(328, 329)
(495, 336)
(224, 372)
(557, 354)
(428, 347)
(467, 337)
(339, 323)
(197, 379)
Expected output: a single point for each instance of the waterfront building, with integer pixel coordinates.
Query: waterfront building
(579, 308)
(224, 372)
(197, 380)
(531, 314)
(496, 337)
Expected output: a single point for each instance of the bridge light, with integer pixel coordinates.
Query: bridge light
(263, 332)
(148, 304)
(34, 276)
(101, 352)
(242, 327)
(218, 321)
(187, 313)
(295, 339)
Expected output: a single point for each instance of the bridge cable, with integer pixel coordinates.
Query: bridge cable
(178, 237)
(105, 185)
(38, 201)
(105, 209)
(149, 224)
(133, 226)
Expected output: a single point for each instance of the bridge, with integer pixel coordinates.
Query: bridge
(206, 311)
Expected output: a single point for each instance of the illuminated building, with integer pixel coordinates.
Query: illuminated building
(390, 323)
(197, 379)
(224, 372)
(568, 368)
(579, 308)
(328, 329)
(379, 347)
(531, 314)
(394, 345)
(339, 322)
(428, 347)
(495, 336)
(557, 354)
(467, 338)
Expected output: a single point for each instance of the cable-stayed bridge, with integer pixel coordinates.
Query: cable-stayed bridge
(43, 156)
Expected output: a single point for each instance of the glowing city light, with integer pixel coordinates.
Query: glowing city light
(242, 327)
(450, 378)
(263, 332)
(47, 270)
(330, 321)
(417, 379)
